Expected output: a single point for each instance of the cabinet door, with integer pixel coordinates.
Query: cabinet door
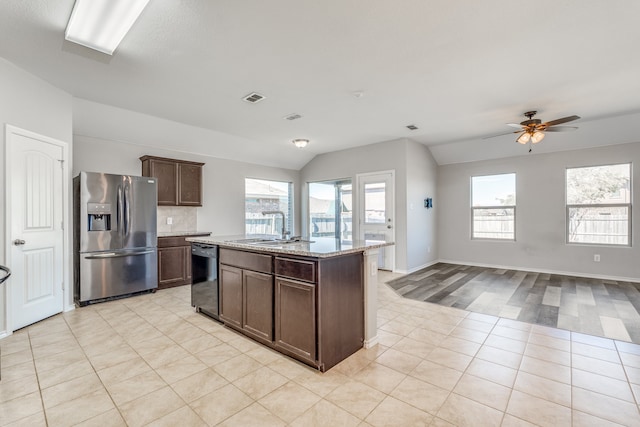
(231, 295)
(257, 316)
(295, 318)
(187, 263)
(189, 185)
(171, 266)
(166, 172)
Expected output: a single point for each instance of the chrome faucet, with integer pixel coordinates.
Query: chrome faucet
(284, 230)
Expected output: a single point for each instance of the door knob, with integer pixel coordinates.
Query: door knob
(19, 242)
(388, 226)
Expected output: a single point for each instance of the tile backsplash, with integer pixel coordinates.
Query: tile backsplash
(183, 219)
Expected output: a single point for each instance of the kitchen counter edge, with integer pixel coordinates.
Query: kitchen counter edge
(301, 249)
(183, 233)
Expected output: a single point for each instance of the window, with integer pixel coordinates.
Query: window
(330, 209)
(493, 207)
(599, 205)
(262, 195)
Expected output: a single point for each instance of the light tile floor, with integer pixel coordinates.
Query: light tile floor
(150, 360)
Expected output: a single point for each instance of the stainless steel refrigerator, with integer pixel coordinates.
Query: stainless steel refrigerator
(115, 236)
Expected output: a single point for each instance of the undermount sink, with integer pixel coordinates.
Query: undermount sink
(251, 240)
(261, 241)
(280, 242)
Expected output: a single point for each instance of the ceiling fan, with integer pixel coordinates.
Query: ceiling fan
(533, 130)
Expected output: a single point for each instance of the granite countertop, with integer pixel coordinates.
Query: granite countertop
(183, 233)
(319, 247)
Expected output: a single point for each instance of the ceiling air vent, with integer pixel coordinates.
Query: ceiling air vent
(254, 97)
(293, 116)
(412, 127)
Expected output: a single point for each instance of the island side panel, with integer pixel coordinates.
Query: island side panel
(340, 308)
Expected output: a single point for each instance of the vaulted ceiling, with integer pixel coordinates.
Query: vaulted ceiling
(356, 71)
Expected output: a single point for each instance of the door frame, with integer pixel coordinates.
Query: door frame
(11, 130)
(358, 205)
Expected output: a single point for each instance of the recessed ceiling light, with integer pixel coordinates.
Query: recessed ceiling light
(412, 127)
(293, 116)
(254, 97)
(300, 143)
(102, 24)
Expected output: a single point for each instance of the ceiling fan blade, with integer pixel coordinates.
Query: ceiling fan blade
(560, 129)
(561, 121)
(502, 134)
(514, 125)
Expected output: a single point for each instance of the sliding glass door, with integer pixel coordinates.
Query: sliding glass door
(330, 209)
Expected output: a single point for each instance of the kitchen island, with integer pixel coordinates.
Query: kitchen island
(311, 300)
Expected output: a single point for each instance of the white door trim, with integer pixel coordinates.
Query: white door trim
(358, 205)
(68, 289)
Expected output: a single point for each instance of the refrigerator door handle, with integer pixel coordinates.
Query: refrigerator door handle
(119, 209)
(127, 210)
(118, 254)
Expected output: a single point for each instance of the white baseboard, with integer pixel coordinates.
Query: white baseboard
(542, 270)
(413, 270)
(370, 342)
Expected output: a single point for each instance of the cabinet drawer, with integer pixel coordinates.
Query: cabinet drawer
(167, 242)
(295, 269)
(246, 260)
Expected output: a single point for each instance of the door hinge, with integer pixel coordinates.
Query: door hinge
(62, 225)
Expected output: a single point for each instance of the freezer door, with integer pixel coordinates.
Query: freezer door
(139, 212)
(116, 212)
(110, 274)
(98, 198)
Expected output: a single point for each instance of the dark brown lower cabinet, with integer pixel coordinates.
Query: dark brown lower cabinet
(257, 313)
(174, 261)
(172, 266)
(230, 295)
(311, 309)
(246, 301)
(295, 318)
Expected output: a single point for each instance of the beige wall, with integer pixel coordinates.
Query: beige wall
(222, 212)
(31, 104)
(540, 215)
(415, 173)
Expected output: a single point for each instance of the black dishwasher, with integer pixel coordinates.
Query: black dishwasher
(204, 279)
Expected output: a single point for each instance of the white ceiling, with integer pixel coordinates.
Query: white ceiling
(459, 70)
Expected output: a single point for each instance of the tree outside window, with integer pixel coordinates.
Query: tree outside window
(599, 204)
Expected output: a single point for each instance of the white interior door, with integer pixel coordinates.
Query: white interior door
(35, 207)
(376, 213)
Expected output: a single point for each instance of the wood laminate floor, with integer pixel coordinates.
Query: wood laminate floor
(606, 308)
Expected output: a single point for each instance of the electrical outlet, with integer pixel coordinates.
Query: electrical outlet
(596, 258)
(373, 268)
(169, 220)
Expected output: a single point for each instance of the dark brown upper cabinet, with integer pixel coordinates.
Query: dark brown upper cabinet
(179, 181)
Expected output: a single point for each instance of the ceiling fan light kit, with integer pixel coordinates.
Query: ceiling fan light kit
(537, 137)
(524, 138)
(533, 130)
